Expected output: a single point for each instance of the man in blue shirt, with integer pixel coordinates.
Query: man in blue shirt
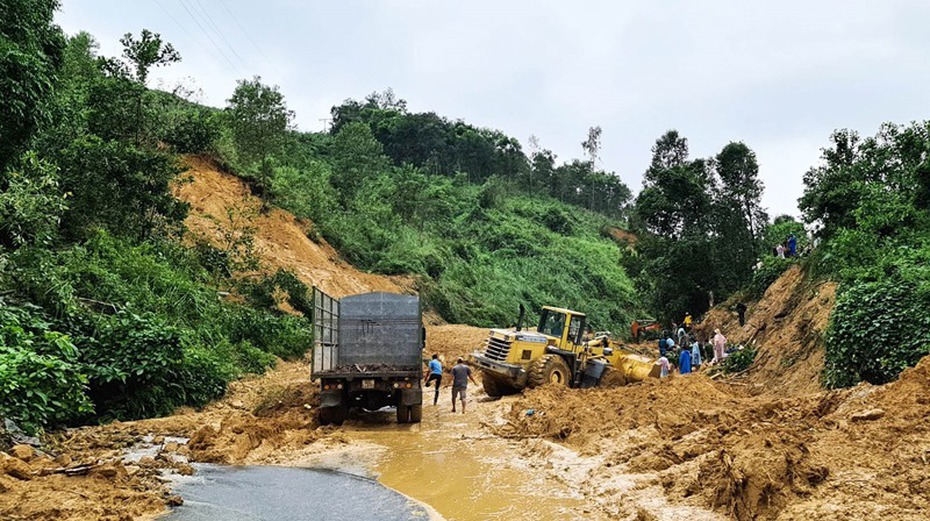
(435, 373)
(684, 362)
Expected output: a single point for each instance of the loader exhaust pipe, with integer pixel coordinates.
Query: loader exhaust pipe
(520, 319)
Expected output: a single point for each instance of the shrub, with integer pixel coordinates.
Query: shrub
(877, 329)
(41, 379)
(739, 361)
(193, 130)
(772, 268)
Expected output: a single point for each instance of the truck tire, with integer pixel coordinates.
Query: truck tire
(416, 413)
(334, 415)
(403, 413)
(548, 369)
(496, 388)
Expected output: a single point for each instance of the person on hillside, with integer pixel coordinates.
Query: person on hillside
(792, 246)
(720, 342)
(696, 355)
(688, 321)
(662, 343)
(681, 333)
(741, 312)
(780, 251)
(684, 362)
(663, 367)
(434, 374)
(669, 345)
(461, 374)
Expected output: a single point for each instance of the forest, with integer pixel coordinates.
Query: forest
(108, 311)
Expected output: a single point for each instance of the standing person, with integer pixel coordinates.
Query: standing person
(461, 374)
(720, 342)
(696, 355)
(741, 311)
(792, 246)
(681, 333)
(663, 367)
(684, 361)
(662, 344)
(688, 321)
(780, 251)
(434, 374)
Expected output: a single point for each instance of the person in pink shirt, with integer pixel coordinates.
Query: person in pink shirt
(720, 342)
(663, 367)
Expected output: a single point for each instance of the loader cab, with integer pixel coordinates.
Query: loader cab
(564, 325)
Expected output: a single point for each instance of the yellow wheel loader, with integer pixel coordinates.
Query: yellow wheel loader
(514, 359)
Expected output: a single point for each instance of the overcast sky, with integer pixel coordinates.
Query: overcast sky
(779, 77)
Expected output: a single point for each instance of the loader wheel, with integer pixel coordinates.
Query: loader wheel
(496, 388)
(548, 369)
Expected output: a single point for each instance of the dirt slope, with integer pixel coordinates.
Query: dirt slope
(222, 206)
(786, 326)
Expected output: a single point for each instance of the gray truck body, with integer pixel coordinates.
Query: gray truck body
(367, 353)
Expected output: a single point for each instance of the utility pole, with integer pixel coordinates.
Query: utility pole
(325, 123)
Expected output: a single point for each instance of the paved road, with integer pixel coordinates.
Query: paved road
(218, 493)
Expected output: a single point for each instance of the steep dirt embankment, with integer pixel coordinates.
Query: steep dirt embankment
(222, 208)
(786, 326)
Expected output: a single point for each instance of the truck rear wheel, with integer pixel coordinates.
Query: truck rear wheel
(416, 413)
(334, 415)
(403, 413)
(548, 369)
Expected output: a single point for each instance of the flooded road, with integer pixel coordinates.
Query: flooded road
(220, 493)
(454, 465)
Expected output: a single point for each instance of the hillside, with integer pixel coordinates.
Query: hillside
(222, 206)
(787, 327)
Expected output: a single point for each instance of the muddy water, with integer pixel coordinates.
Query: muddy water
(452, 464)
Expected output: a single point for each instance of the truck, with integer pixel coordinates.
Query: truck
(557, 353)
(368, 354)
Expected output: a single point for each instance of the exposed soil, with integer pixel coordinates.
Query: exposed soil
(786, 327)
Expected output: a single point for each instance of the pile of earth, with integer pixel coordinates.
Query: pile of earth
(786, 327)
(857, 453)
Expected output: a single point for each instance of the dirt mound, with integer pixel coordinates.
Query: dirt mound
(451, 341)
(786, 327)
(224, 212)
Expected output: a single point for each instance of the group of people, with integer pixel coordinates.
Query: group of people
(461, 374)
(787, 248)
(685, 351)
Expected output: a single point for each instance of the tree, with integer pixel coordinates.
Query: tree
(140, 55)
(592, 145)
(357, 156)
(30, 57)
(259, 119)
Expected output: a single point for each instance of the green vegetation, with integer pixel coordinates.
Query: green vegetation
(104, 315)
(872, 198)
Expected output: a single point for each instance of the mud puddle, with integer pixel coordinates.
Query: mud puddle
(452, 464)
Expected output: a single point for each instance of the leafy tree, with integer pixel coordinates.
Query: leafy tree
(119, 186)
(144, 53)
(31, 203)
(357, 156)
(30, 57)
(592, 145)
(259, 119)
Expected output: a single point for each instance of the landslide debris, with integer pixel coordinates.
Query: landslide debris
(825, 455)
(786, 326)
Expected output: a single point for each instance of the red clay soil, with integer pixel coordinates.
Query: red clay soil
(222, 204)
(786, 327)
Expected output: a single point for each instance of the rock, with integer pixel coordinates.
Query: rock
(171, 447)
(15, 467)
(64, 460)
(238, 404)
(158, 440)
(111, 471)
(185, 469)
(6, 484)
(174, 501)
(146, 461)
(869, 415)
(184, 450)
(23, 452)
(132, 470)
